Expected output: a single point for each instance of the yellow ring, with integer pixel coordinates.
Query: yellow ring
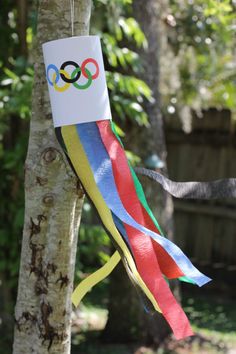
(62, 88)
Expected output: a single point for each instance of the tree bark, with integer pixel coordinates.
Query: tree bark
(53, 204)
(152, 140)
(125, 312)
(22, 12)
(146, 142)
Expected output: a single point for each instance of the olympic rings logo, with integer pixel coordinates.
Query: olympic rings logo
(54, 75)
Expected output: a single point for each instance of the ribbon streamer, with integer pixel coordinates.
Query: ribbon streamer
(99, 161)
(103, 175)
(219, 189)
(87, 284)
(127, 192)
(77, 156)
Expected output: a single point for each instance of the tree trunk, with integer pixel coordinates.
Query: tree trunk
(53, 203)
(152, 140)
(22, 12)
(125, 312)
(146, 142)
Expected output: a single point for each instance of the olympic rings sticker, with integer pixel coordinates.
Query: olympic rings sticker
(55, 75)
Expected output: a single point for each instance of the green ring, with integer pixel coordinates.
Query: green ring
(88, 83)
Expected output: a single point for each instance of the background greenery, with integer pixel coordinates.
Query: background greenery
(197, 72)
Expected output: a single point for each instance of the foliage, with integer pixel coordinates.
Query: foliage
(201, 44)
(119, 32)
(214, 325)
(15, 97)
(94, 244)
(198, 71)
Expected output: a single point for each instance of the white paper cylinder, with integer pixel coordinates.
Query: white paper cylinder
(86, 99)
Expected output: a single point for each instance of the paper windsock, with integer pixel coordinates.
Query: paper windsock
(82, 119)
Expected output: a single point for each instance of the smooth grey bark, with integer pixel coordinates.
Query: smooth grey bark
(53, 204)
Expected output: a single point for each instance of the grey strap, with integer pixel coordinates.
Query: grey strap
(219, 189)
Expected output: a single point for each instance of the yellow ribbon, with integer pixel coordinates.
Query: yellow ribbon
(80, 163)
(93, 279)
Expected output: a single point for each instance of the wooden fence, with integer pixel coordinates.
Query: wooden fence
(205, 230)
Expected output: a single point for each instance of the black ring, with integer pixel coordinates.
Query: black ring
(70, 81)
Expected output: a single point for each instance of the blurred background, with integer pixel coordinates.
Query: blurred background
(190, 85)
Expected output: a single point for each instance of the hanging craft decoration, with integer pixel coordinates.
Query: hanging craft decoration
(82, 119)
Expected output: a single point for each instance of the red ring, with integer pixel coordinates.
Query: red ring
(83, 65)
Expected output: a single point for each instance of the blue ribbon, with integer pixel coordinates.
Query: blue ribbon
(103, 174)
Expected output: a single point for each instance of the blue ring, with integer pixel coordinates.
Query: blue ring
(52, 66)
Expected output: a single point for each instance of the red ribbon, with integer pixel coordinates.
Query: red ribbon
(128, 195)
(147, 253)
